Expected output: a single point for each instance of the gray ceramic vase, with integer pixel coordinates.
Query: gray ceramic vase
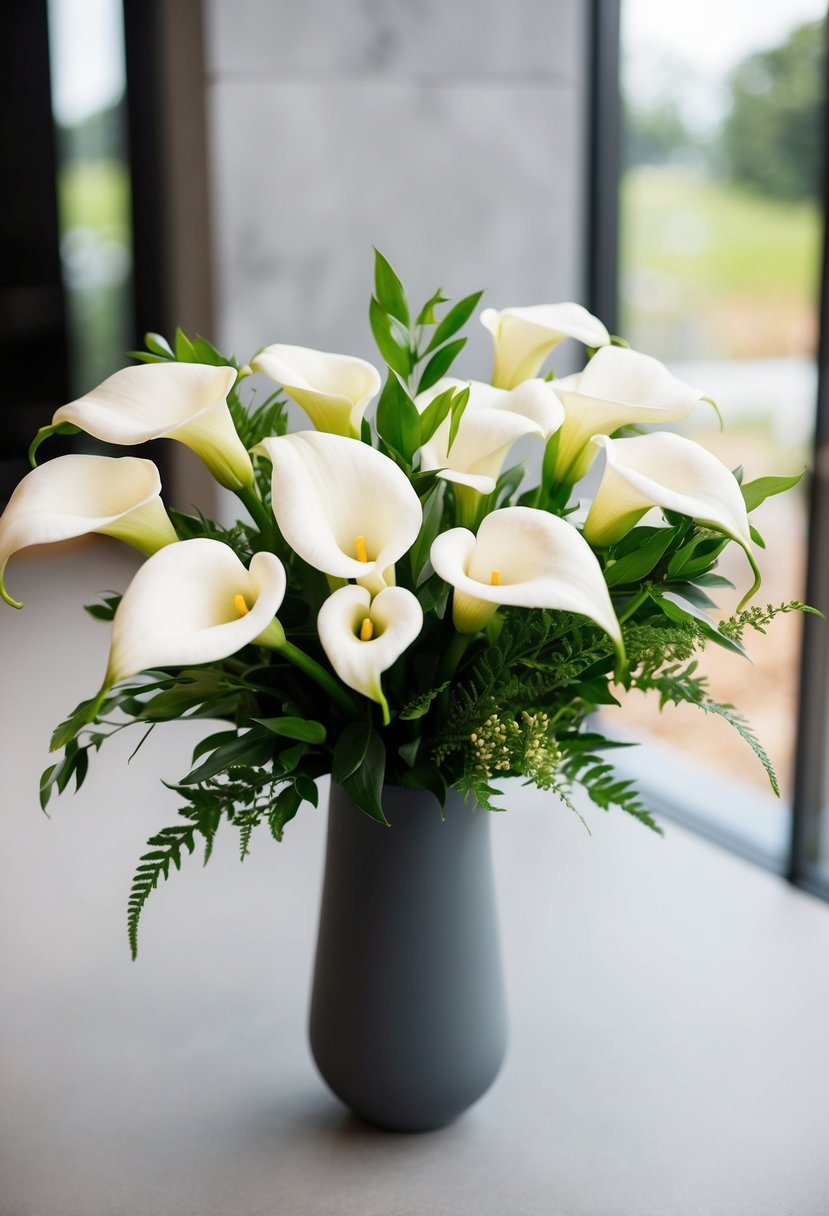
(408, 1016)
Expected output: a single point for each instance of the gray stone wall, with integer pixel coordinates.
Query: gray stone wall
(450, 134)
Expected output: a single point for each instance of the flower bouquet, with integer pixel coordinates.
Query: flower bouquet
(397, 608)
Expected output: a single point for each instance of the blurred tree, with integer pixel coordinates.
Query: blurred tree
(654, 134)
(772, 139)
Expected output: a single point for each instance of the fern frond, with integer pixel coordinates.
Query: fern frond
(759, 619)
(166, 851)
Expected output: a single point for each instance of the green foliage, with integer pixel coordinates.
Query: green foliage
(359, 766)
(758, 618)
(773, 136)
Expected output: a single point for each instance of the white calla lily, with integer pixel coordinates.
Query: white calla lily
(676, 474)
(525, 557)
(344, 507)
(524, 337)
(618, 387)
(194, 602)
(363, 637)
(492, 421)
(334, 390)
(183, 401)
(74, 495)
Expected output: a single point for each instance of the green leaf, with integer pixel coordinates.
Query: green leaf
(714, 580)
(756, 492)
(291, 756)
(459, 404)
(307, 789)
(426, 316)
(676, 608)
(697, 556)
(434, 414)
(693, 593)
(456, 317)
(426, 776)
(185, 351)
(349, 751)
(206, 352)
(157, 344)
(284, 808)
(209, 744)
(359, 766)
(251, 748)
(440, 363)
(391, 337)
(756, 537)
(389, 290)
(307, 731)
(104, 611)
(432, 518)
(634, 566)
(398, 421)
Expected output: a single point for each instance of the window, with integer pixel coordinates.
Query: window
(720, 228)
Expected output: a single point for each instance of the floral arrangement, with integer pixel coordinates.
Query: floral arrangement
(398, 607)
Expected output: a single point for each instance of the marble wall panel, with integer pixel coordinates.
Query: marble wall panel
(464, 186)
(523, 39)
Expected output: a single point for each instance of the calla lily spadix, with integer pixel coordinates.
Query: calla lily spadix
(363, 637)
(74, 495)
(524, 337)
(525, 557)
(183, 401)
(334, 390)
(618, 387)
(344, 507)
(492, 421)
(671, 472)
(194, 602)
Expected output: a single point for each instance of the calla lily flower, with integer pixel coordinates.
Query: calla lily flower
(525, 557)
(363, 636)
(344, 507)
(183, 401)
(73, 495)
(524, 337)
(194, 602)
(492, 421)
(618, 387)
(334, 390)
(667, 471)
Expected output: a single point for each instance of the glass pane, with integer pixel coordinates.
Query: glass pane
(720, 240)
(88, 98)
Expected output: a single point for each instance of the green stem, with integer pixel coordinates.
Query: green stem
(319, 675)
(635, 603)
(454, 653)
(258, 512)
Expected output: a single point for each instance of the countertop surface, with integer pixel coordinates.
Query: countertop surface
(669, 1003)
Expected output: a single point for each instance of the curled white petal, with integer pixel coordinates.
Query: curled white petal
(76, 494)
(618, 387)
(334, 390)
(183, 401)
(333, 496)
(667, 471)
(524, 557)
(524, 337)
(182, 608)
(492, 421)
(396, 619)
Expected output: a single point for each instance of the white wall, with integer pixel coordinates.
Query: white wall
(450, 135)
